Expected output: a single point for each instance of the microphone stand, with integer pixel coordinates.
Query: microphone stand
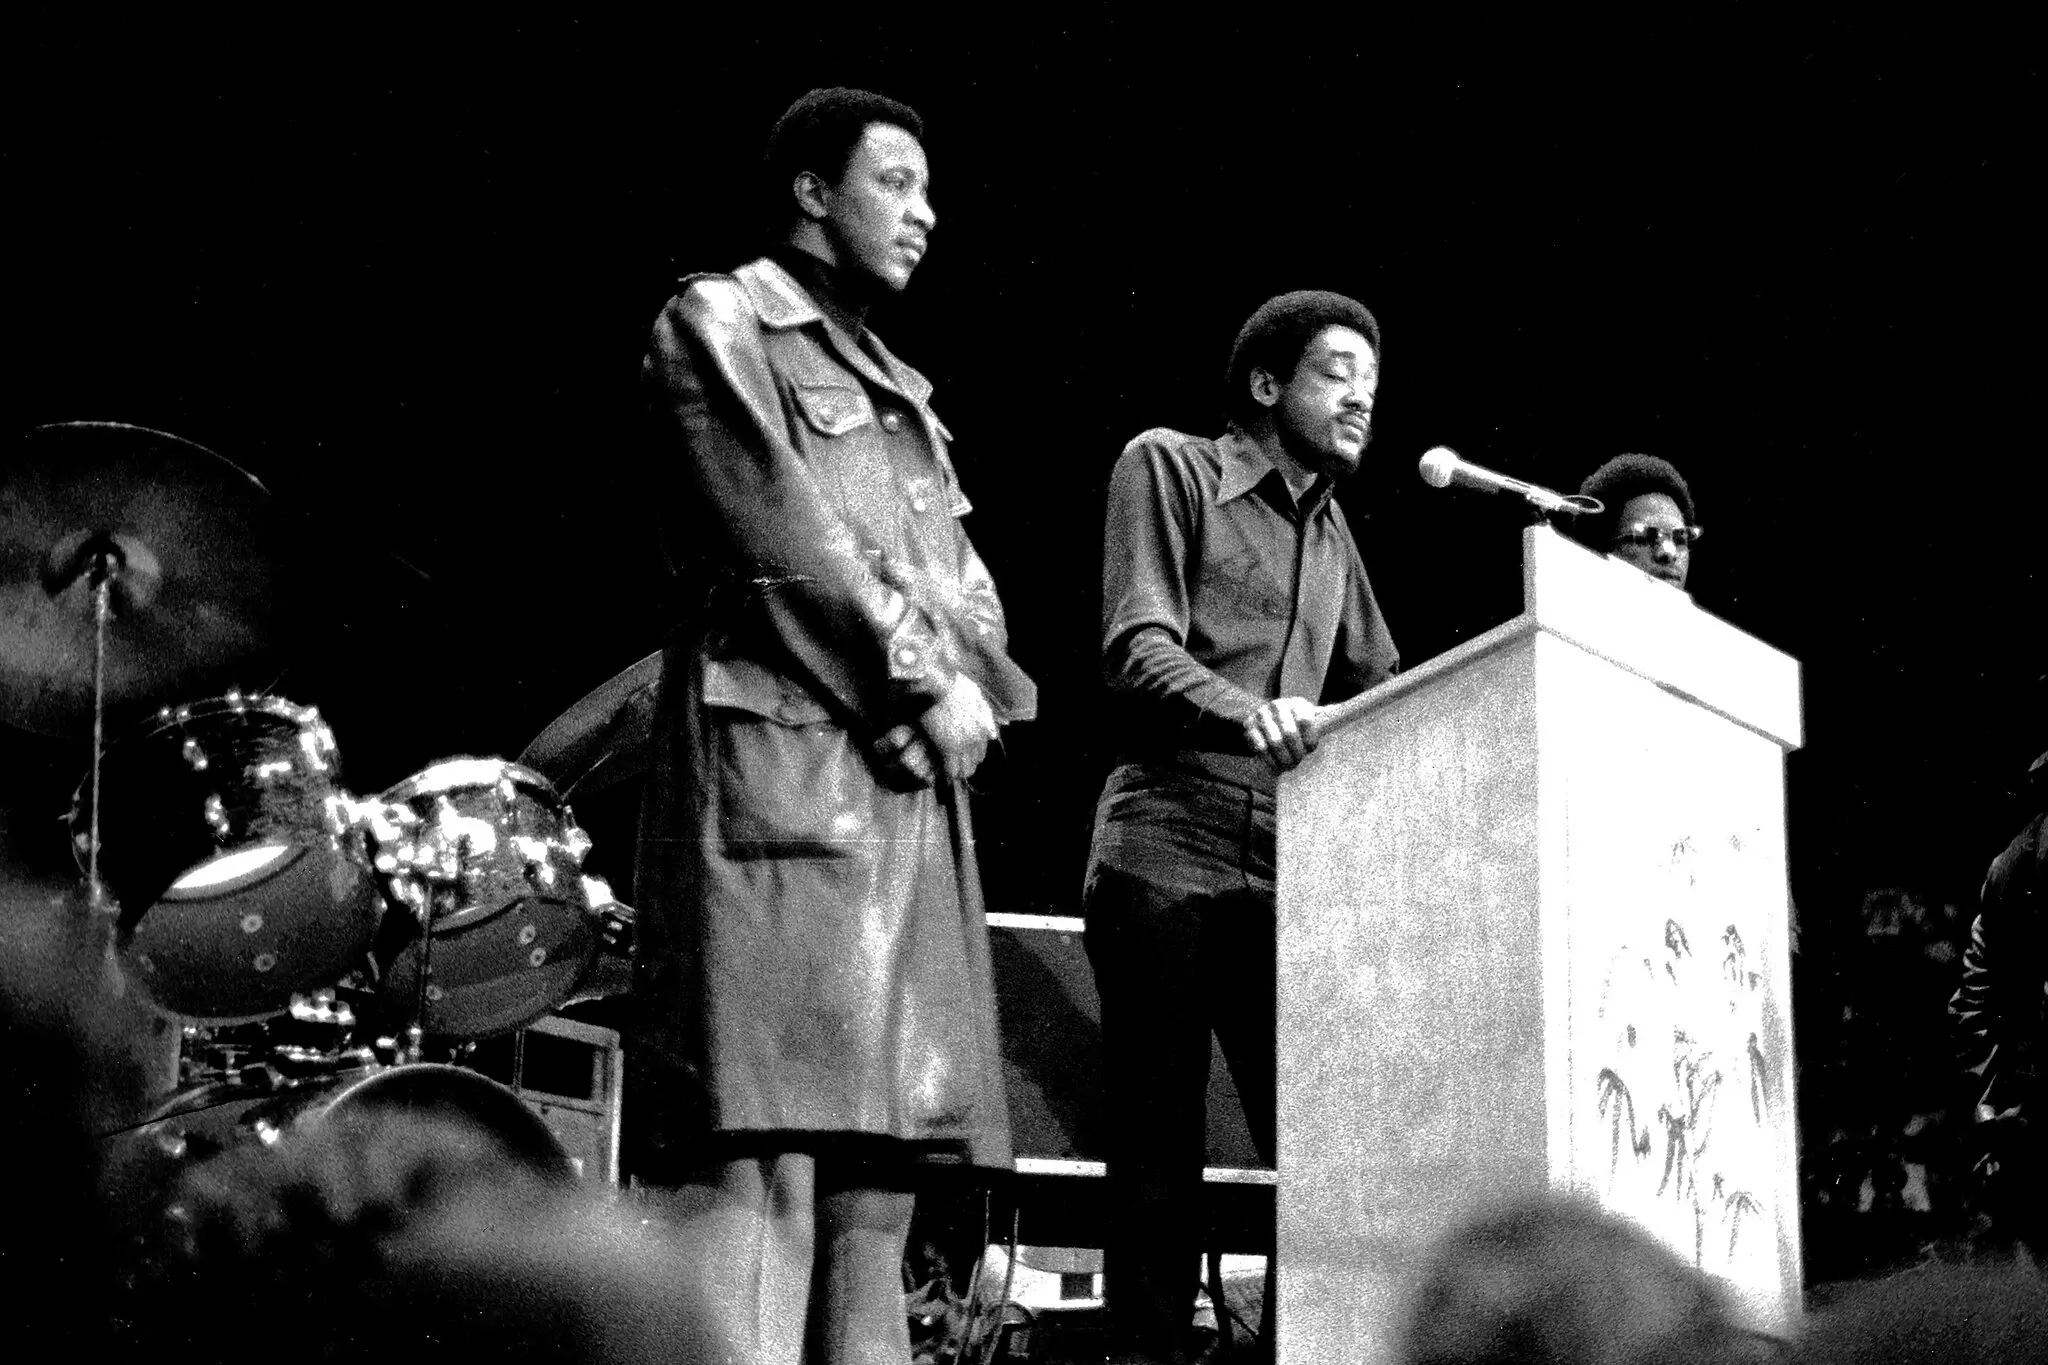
(1544, 513)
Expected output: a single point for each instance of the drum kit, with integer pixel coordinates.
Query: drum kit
(315, 944)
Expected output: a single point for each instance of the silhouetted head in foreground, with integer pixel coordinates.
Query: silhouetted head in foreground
(1934, 1315)
(408, 1239)
(1559, 1281)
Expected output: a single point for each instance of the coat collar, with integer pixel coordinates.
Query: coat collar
(782, 303)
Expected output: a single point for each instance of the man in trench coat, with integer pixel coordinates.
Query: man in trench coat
(816, 1012)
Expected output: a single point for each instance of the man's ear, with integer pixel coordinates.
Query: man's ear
(1265, 388)
(811, 193)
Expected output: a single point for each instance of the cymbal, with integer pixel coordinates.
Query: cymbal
(197, 600)
(604, 739)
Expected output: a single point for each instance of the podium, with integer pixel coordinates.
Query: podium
(1534, 935)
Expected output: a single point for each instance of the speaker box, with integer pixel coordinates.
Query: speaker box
(572, 1075)
(1051, 1023)
(1050, 1019)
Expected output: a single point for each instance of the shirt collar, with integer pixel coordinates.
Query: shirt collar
(1245, 466)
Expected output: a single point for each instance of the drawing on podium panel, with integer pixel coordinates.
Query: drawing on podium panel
(1693, 1085)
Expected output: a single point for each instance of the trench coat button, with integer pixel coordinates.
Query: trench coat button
(906, 655)
(892, 421)
(917, 504)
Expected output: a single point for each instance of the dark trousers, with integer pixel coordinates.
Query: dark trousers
(1172, 968)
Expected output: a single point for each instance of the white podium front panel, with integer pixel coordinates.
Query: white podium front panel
(1677, 1088)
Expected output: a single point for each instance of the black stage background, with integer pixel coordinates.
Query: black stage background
(402, 269)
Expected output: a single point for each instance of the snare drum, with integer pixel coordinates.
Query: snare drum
(239, 867)
(487, 858)
(317, 1032)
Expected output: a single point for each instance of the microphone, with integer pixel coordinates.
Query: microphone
(1442, 466)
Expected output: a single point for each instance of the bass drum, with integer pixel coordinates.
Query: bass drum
(231, 1184)
(478, 1125)
(485, 1119)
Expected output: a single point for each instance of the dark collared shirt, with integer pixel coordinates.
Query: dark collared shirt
(1220, 593)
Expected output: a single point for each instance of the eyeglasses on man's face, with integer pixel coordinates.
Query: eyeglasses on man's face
(1650, 537)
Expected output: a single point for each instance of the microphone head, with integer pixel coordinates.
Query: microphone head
(1438, 465)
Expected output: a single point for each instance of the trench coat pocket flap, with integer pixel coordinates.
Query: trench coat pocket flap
(833, 409)
(743, 685)
(786, 787)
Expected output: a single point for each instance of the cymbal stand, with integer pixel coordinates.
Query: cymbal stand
(105, 566)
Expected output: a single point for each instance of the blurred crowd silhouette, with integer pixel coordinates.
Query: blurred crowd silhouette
(410, 1233)
(1554, 1280)
(400, 1236)
(416, 1229)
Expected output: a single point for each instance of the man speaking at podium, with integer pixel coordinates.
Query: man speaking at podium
(1235, 608)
